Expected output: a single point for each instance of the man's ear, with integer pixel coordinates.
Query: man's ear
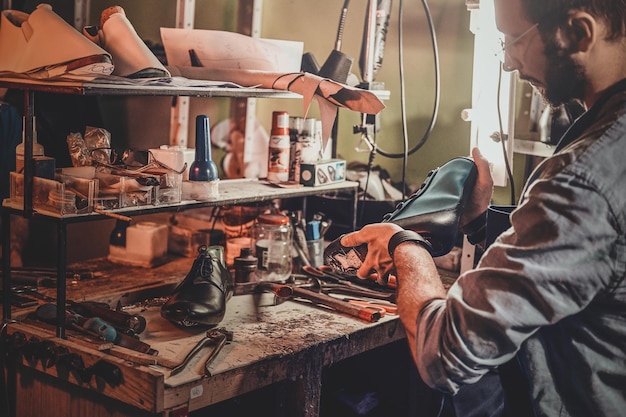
(582, 31)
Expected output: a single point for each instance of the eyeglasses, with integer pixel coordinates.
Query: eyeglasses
(507, 45)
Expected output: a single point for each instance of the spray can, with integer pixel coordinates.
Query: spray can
(295, 128)
(310, 144)
(278, 154)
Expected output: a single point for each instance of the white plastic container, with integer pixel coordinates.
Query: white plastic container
(146, 245)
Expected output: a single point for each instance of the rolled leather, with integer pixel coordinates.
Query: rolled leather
(42, 45)
(131, 56)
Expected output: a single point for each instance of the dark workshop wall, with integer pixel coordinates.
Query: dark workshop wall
(315, 24)
(142, 121)
(145, 121)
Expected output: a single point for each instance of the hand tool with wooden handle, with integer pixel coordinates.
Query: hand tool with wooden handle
(365, 313)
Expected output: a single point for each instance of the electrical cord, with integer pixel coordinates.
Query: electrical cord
(370, 166)
(503, 139)
(406, 152)
(405, 137)
(435, 110)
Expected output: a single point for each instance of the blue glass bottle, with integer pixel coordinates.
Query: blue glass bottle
(203, 168)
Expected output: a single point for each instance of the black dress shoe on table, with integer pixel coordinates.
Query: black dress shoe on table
(200, 299)
(434, 211)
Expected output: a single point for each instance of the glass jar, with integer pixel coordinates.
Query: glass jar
(19, 150)
(271, 243)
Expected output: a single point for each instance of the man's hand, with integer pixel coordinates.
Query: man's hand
(416, 274)
(376, 236)
(483, 190)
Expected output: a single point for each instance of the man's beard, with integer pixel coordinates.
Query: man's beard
(565, 79)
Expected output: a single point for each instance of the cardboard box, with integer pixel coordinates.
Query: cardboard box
(146, 246)
(323, 172)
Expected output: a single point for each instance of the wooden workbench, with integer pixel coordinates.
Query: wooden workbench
(292, 342)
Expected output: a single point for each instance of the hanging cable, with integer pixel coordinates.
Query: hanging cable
(503, 139)
(405, 135)
(370, 167)
(435, 110)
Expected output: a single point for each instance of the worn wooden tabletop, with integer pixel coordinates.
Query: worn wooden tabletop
(290, 341)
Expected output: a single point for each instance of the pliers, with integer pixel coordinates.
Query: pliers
(216, 337)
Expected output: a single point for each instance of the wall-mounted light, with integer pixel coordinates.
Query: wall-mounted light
(491, 114)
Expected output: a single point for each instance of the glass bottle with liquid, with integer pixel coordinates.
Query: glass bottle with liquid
(20, 149)
(203, 168)
(272, 243)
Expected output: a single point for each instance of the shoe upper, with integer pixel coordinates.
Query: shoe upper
(200, 299)
(435, 209)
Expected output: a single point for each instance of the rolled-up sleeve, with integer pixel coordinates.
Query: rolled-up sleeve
(562, 250)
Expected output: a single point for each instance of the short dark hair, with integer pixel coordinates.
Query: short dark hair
(554, 12)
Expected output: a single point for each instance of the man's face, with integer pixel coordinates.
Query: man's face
(565, 78)
(547, 66)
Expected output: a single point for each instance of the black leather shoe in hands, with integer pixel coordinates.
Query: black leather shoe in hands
(434, 211)
(200, 299)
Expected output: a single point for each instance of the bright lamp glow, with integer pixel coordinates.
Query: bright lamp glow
(484, 115)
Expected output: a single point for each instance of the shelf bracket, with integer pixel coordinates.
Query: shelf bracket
(81, 13)
(6, 264)
(29, 134)
(179, 116)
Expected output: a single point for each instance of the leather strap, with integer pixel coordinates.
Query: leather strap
(407, 236)
(476, 229)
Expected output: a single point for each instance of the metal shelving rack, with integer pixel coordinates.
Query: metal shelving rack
(231, 191)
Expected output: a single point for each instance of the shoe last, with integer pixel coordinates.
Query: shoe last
(43, 45)
(131, 56)
(200, 299)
